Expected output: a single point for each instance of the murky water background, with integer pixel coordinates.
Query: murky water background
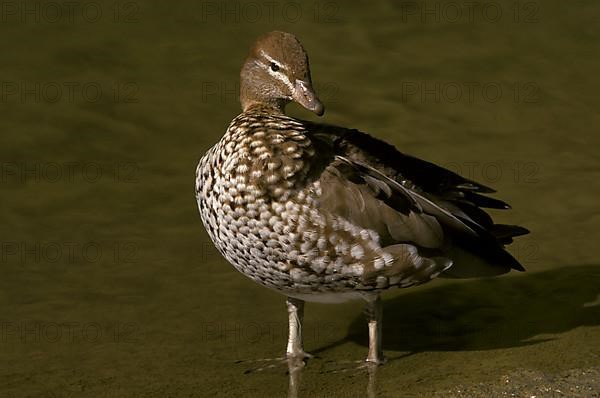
(109, 285)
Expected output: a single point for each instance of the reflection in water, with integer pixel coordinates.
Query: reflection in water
(296, 367)
(372, 370)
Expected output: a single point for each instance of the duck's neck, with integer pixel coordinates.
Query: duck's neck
(256, 106)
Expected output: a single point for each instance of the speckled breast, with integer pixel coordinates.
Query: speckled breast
(255, 196)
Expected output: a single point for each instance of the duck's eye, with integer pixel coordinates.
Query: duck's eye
(274, 67)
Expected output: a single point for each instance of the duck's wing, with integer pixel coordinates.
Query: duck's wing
(408, 200)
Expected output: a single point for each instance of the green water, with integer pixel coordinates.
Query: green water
(109, 286)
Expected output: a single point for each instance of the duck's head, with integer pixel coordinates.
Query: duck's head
(276, 72)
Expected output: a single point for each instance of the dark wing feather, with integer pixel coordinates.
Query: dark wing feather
(370, 199)
(357, 196)
(413, 186)
(384, 188)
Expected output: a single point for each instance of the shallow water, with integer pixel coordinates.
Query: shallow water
(110, 286)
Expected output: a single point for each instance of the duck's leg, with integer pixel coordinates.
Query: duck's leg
(295, 348)
(374, 314)
(295, 356)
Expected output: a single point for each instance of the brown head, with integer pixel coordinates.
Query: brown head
(276, 72)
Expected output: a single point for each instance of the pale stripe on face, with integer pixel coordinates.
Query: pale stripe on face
(277, 75)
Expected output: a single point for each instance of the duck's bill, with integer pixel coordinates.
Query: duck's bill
(305, 95)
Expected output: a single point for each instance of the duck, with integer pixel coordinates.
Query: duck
(322, 213)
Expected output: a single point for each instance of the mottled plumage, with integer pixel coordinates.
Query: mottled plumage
(324, 213)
